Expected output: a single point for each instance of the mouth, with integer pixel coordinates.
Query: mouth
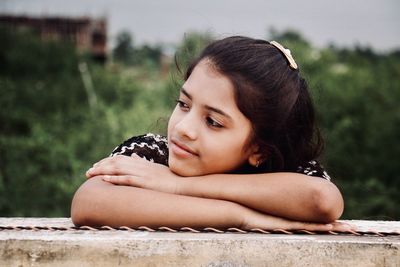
(181, 149)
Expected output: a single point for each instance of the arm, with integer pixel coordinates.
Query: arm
(289, 195)
(100, 203)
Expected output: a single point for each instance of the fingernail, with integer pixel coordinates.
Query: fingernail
(106, 178)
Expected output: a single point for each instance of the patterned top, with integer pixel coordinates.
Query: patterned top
(154, 148)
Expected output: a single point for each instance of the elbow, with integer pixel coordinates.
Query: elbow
(79, 212)
(78, 219)
(84, 204)
(329, 204)
(78, 215)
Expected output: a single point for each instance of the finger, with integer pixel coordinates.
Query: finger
(112, 165)
(119, 161)
(120, 179)
(112, 159)
(352, 226)
(104, 170)
(91, 171)
(107, 160)
(102, 161)
(316, 226)
(295, 225)
(343, 227)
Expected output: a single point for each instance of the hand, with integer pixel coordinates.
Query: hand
(135, 171)
(253, 219)
(343, 227)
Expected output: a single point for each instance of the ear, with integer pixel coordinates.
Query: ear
(255, 158)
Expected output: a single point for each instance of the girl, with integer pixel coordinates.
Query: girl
(241, 152)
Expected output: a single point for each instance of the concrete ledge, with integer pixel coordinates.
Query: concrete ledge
(142, 248)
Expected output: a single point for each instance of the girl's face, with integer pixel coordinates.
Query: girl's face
(207, 133)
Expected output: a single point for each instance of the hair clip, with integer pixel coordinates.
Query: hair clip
(287, 54)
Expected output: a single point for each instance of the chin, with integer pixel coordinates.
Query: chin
(182, 169)
(185, 172)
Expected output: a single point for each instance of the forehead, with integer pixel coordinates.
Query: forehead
(205, 84)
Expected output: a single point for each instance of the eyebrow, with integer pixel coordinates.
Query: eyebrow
(216, 110)
(183, 91)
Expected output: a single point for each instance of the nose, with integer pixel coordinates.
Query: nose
(186, 127)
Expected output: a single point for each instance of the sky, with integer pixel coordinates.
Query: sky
(374, 23)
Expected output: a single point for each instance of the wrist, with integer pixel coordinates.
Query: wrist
(206, 186)
(182, 185)
(236, 214)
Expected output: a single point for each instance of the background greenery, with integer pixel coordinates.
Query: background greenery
(60, 112)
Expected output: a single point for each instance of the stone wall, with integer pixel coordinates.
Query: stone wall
(55, 242)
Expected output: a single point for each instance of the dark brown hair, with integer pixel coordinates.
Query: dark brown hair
(273, 96)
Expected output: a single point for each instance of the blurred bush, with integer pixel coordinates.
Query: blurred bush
(51, 132)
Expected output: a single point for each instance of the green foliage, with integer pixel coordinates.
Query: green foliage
(360, 96)
(50, 132)
(56, 118)
(124, 48)
(126, 53)
(191, 46)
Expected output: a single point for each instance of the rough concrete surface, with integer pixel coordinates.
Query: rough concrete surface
(142, 248)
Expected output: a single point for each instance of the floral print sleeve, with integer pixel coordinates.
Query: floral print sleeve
(313, 168)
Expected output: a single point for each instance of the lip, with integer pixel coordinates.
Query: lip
(181, 149)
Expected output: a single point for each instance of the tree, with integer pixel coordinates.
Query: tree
(123, 51)
(130, 55)
(191, 46)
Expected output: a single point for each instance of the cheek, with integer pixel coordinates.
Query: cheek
(172, 120)
(225, 154)
(233, 147)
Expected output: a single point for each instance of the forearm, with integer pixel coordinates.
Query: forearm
(101, 203)
(289, 195)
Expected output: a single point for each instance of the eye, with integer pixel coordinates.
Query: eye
(182, 105)
(213, 123)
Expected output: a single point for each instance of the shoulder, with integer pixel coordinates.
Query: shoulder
(153, 147)
(313, 168)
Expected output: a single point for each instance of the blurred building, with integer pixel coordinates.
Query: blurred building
(87, 34)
